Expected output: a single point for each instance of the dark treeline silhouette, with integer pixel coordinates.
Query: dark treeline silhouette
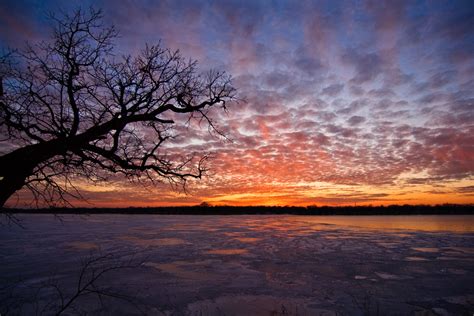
(444, 209)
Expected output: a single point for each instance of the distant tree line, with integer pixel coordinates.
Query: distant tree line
(205, 209)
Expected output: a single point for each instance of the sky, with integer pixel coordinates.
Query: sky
(346, 102)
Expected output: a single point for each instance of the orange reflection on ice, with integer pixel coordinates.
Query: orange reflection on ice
(458, 223)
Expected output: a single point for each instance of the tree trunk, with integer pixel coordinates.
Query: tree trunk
(18, 165)
(9, 185)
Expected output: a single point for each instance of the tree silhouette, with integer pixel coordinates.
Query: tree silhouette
(59, 295)
(71, 108)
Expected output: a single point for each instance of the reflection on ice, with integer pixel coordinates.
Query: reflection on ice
(227, 251)
(412, 258)
(155, 242)
(247, 239)
(426, 249)
(179, 269)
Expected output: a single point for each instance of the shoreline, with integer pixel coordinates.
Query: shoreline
(445, 209)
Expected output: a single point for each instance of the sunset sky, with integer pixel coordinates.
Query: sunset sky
(346, 102)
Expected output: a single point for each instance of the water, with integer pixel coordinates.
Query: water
(241, 265)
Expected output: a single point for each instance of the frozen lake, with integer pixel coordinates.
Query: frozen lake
(241, 265)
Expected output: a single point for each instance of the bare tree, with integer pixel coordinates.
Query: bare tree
(62, 295)
(72, 108)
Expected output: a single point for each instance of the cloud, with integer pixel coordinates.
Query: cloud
(333, 90)
(356, 120)
(367, 66)
(377, 96)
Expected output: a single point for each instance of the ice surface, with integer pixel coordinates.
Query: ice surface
(250, 265)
